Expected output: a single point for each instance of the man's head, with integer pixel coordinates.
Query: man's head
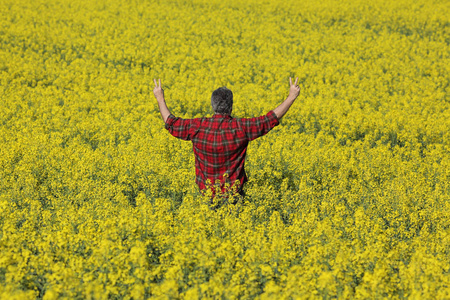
(222, 101)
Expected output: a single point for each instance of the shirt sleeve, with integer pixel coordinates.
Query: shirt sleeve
(256, 127)
(184, 129)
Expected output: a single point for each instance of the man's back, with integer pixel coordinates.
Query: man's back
(220, 143)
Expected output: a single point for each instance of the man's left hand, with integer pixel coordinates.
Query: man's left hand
(158, 91)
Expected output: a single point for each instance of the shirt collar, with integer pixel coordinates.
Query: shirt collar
(222, 116)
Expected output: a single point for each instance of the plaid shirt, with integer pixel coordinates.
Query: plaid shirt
(220, 144)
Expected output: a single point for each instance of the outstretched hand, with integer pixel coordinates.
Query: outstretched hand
(159, 94)
(158, 91)
(294, 89)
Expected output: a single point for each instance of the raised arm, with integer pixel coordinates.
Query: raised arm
(294, 90)
(159, 94)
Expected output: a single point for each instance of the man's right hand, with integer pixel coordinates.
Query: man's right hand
(294, 89)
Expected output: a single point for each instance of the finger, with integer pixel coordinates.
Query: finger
(290, 81)
(296, 80)
(154, 80)
(160, 82)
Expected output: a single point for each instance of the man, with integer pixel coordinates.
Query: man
(220, 142)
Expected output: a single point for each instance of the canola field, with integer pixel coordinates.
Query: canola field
(349, 197)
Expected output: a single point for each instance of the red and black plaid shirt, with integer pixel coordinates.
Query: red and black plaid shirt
(220, 144)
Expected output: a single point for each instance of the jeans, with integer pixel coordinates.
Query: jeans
(218, 201)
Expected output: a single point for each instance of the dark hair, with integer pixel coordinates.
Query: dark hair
(222, 101)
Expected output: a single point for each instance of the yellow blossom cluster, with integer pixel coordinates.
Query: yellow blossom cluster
(349, 197)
